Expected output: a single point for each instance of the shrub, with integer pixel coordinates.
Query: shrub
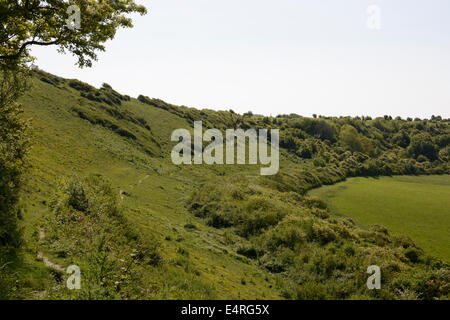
(257, 221)
(422, 144)
(249, 251)
(190, 226)
(323, 234)
(351, 138)
(314, 202)
(349, 250)
(311, 290)
(76, 196)
(81, 86)
(320, 213)
(380, 229)
(412, 254)
(220, 219)
(284, 235)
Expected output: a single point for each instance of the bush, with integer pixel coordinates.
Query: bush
(284, 235)
(351, 138)
(220, 219)
(422, 144)
(311, 290)
(314, 202)
(190, 226)
(412, 254)
(249, 251)
(76, 196)
(323, 234)
(349, 250)
(257, 221)
(81, 86)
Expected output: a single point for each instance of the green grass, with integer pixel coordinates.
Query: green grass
(323, 257)
(65, 145)
(417, 206)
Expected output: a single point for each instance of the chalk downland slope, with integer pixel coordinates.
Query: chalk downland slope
(104, 190)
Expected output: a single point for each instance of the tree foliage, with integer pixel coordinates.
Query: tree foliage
(13, 148)
(422, 145)
(43, 23)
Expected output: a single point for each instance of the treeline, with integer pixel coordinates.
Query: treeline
(328, 149)
(359, 145)
(425, 140)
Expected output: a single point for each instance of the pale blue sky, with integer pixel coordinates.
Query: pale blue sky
(280, 56)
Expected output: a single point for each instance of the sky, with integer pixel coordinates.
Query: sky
(325, 57)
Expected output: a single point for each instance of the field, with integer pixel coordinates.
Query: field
(417, 206)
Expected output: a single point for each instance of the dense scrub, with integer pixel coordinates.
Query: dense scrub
(321, 256)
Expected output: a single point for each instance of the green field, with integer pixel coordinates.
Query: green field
(417, 206)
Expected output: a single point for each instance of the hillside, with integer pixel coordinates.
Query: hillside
(102, 193)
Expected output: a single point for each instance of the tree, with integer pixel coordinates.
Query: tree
(401, 139)
(422, 144)
(350, 137)
(13, 148)
(42, 23)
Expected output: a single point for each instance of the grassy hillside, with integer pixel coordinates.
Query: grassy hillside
(103, 193)
(413, 206)
(197, 264)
